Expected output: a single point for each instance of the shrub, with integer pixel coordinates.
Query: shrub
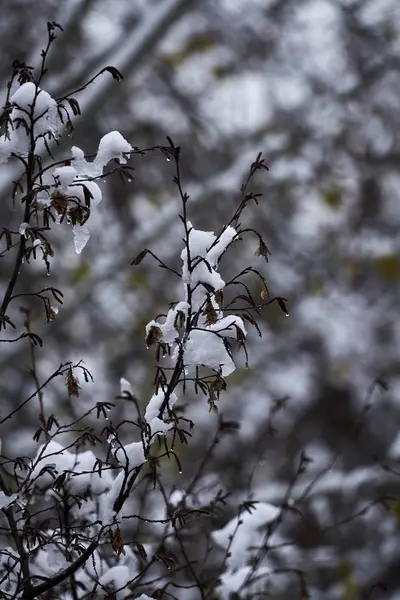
(91, 515)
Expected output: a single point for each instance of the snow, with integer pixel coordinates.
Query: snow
(26, 97)
(156, 424)
(244, 529)
(120, 575)
(77, 191)
(65, 176)
(112, 145)
(168, 330)
(394, 451)
(154, 405)
(82, 166)
(6, 148)
(159, 426)
(131, 455)
(226, 326)
(125, 387)
(226, 237)
(106, 501)
(205, 249)
(79, 467)
(49, 560)
(22, 228)
(5, 501)
(70, 180)
(199, 242)
(176, 497)
(206, 348)
(73, 179)
(30, 104)
(231, 581)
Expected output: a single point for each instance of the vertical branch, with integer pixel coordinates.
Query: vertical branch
(34, 368)
(23, 555)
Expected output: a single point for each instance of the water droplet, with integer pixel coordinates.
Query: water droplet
(48, 273)
(180, 472)
(129, 180)
(168, 159)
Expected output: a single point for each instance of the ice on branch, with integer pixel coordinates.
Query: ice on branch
(81, 237)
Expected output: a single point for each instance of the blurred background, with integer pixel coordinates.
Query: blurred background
(315, 86)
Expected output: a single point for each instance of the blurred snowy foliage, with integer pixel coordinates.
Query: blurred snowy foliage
(314, 85)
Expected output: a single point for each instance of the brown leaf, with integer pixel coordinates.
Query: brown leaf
(117, 543)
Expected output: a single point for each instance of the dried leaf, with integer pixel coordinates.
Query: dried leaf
(138, 259)
(117, 543)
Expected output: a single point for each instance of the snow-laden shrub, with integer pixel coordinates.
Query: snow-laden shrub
(71, 513)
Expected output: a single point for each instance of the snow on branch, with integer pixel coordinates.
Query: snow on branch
(81, 512)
